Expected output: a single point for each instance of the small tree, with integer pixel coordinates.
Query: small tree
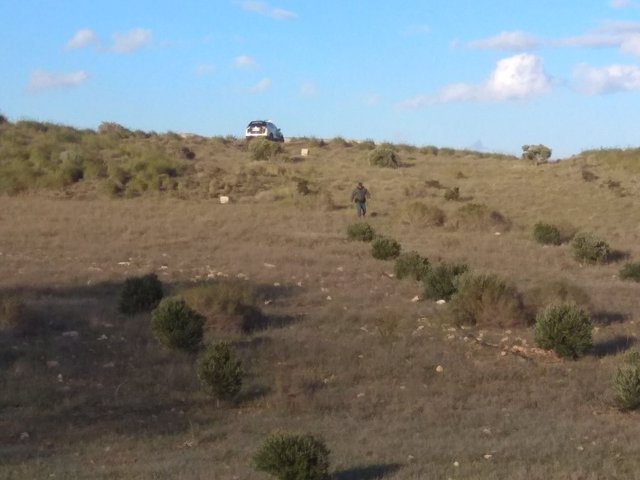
(293, 457)
(565, 329)
(140, 294)
(631, 271)
(220, 372)
(536, 153)
(176, 326)
(263, 149)
(626, 382)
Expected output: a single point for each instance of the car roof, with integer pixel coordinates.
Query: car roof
(258, 122)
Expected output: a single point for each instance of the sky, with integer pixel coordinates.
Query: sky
(489, 75)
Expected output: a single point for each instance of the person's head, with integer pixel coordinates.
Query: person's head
(360, 185)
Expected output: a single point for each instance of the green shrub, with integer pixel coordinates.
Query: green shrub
(590, 249)
(565, 329)
(558, 292)
(384, 156)
(293, 457)
(452, 194)
(140, 294)
(547, 234)
(220, 372)
(421, 214)
(384, 248)
(441, 281)
(486, 300)
(626, 382)
(411, 265)
(263, 149)
(631, 271)
(360, 231)
(176, 325)
(220, 296)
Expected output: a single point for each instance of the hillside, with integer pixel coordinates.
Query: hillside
(336, 345)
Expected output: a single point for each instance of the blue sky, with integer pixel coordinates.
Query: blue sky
(484, 74)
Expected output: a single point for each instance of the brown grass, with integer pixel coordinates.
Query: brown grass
(344, 352)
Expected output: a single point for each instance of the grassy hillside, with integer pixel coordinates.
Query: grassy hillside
(333, 343)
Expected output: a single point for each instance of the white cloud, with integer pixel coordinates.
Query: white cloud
(130, 41)
(515, 40)
(41, 80)
(82, 38)
(514, 78)
(245, 61)
(264, 9)
(308, 89)
(262, 86)
(631, 45)
(610, 79)
(204, 68)
(619, 4)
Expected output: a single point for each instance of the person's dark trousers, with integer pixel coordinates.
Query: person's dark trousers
(361, 208)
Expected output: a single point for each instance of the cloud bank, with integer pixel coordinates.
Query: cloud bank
(264, 9)
(41, 80)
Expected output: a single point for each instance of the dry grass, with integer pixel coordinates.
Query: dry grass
(344, 354)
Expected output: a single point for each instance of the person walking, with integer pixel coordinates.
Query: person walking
(359, 196)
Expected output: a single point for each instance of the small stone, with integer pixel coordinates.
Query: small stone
(163, 267)
(60, 380)
(299, 284)
(503, 354)
(415, 299)
(268, 302)
(497, 234)
(439, 369)
(402, 387)
(53, 363)
(340, 269)
(580, 448)
(102, 337)
(269, 265)
(276, 284)
(71, 334)
(24, 436)
(488, 456)
(360, 395)
(456, 464)
(124, 264)
(109, 365)
(329, 297)
(441, 301)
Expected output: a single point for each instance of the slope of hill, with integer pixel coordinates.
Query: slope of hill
(340, 348)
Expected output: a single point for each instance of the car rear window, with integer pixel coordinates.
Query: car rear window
(257, 123)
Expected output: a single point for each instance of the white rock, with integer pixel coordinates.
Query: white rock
(329, 297)
(53, 363)
(439, 369)
(304, 152)
(276, 284)
(488, 456)
(126, 264)
(268, 302)
(224, 199)
(456, 464)
(71, 334)
(109, 365)
(360, 395)
(24, 436)
(102, 337)
(498, 234)
(415, 299)
(269, 265)
(441, 301)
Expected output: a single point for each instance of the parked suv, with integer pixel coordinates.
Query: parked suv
(264, 129)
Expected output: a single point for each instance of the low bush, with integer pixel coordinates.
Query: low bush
(565, 329)
(411, 265)
(547, 234)
(360, 231)
(220, 371)
(384, 156)
(176, 325)
(631, 271)
(536, 153)
(441, 281)
(384, 248)
(140, 294)
(477, 216)
(452, 194)
(420, 214)
(626, 382)
(293, 457)
(263, 149)
(557, 292)
(486, 300)
(12, 312)
(590, 249)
